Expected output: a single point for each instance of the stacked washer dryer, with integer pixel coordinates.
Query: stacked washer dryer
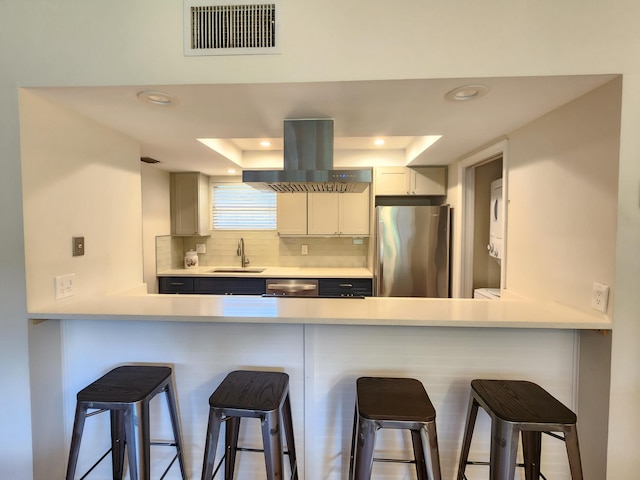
(495, 247)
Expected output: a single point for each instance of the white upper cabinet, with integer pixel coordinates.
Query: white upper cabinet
(410, 180)
(338, 213)
(324, 213)
(190, 204)
(292, 214)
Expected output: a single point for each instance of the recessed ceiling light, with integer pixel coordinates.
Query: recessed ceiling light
(265, 143)
(379, 141)
(231, 170)
(466, 93)
(157, 98)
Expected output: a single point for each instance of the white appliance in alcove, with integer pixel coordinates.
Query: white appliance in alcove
(496, 221)
(487, 293)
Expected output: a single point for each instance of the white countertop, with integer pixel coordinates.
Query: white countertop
(269, 272)
(503, 313)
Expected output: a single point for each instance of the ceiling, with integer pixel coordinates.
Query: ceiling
(241, 115)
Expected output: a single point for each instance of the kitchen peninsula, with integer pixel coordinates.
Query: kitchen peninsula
(324, 345)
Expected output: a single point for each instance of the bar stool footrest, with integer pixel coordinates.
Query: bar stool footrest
(393, 460)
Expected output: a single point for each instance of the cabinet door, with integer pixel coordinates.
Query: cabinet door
(229, 286)
(354, 213)
(190, 204)
(175, 285)
(323, 213)
(428, 181)
(392, 180)
(292, 213)
(345, 287)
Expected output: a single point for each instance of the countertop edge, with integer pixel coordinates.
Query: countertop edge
(371, 311)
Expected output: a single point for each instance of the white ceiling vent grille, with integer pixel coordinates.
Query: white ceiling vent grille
(244, 27)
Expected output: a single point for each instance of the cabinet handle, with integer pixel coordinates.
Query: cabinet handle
(176, 284)
(345, 285)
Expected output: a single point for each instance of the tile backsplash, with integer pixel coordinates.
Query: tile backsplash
(263, 249)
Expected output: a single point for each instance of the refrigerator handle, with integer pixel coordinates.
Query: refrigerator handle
(379, 267)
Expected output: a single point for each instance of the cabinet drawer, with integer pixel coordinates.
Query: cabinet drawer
(175, 285)
(345, 287)
(229, 286)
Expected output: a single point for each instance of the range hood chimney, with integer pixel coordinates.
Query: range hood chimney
(308, 163)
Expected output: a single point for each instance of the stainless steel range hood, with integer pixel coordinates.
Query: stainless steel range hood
(308, 163)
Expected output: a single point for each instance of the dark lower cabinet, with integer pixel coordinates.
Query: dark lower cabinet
(327, 287)
(175, 284)
(345, 287)
(212, 285)
(229, 286)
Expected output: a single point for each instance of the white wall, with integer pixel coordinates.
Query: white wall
(82, 43)
(156, 218)
(15, 412)
(562, 200)
(625, 375)
(79, 179)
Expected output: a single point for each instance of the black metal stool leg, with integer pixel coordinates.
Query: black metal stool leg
(117, 443)
(231, 432)
(211, 444)
(573, 452)
(531, 448)
(504, 449)
(418, 455)
(272, 444)
(138, 441)
(432, 453)
(287, 421)
(133, 440)
(366, 439)
(76, 437)
(472, 414)
(175, 426)
(354, 442)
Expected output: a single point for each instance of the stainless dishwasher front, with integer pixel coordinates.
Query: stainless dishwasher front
(292, 287)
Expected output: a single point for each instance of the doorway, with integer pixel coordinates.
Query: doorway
(477, 268)
(486, 267)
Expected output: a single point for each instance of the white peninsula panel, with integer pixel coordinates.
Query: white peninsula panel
(323, 362)
(201, 355)
(445, 360)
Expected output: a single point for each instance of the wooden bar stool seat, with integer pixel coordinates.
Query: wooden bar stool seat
(394, 403)
(515, 407)
(125, 392)
(252, 394)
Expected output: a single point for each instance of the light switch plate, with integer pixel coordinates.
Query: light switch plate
(78, 246)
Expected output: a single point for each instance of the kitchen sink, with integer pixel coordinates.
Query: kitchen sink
(237, 270)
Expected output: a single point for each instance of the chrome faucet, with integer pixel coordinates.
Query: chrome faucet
(244, 261)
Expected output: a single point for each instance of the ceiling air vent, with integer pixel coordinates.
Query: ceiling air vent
(242, 28)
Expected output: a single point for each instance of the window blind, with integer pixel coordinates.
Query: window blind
(237, 206)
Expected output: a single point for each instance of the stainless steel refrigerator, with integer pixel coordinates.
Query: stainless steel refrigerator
(412, 251)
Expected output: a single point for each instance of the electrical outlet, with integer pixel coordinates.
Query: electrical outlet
(64, 285)
(600, 297)
(201, 248)
(304, 250)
